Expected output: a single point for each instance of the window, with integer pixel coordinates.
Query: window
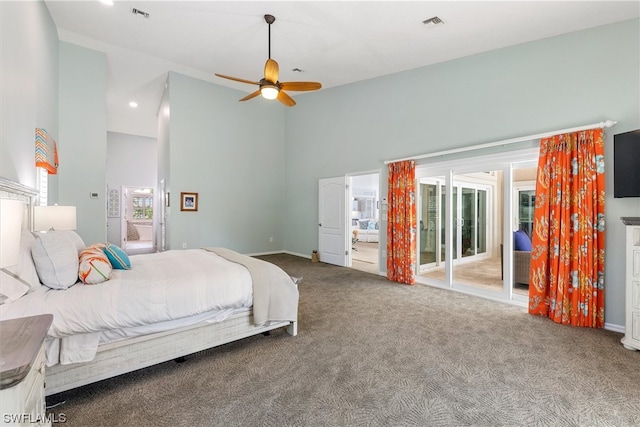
(42, 185)
(142, 207)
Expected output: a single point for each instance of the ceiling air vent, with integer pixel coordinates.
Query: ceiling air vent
(432, 22)
(140, 12)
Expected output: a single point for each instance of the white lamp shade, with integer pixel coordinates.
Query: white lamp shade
(54, 218)
(11, 213)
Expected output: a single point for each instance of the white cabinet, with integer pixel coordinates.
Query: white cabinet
(22, 357)
(631, 338)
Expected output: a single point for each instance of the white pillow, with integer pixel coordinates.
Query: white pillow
(56, 259)
(11, 288)
(25, 269)
(76, 239)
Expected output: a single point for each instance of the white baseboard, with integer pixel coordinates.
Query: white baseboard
(279, 252)
(297, 254)
(614, 328)
(265, 253)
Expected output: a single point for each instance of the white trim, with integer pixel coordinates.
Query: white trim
(605, 124)
(614, 327)
(475, 163)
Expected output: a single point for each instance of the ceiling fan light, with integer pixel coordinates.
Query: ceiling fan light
(269, 91)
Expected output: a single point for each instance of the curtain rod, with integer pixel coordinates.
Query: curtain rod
(605, 124)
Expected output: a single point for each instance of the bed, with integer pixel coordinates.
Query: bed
(167, 305)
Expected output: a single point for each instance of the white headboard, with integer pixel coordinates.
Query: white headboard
(16, 191)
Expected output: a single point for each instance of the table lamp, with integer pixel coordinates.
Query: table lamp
(54, 218)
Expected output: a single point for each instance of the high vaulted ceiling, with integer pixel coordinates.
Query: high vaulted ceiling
(333, 42)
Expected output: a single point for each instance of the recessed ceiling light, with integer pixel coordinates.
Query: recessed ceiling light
(133, 104)
(107, 2)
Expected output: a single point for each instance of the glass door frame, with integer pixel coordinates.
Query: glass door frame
(458, 185)
(521, 187)
(437, 226)
(505, 162)
(476, 187)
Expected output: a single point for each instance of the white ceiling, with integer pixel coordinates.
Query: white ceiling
(334, 42)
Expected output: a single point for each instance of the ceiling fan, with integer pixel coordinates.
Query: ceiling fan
(270, 87)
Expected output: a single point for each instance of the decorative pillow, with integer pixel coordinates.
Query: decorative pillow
(25, 270)
(94, 265)
(363, 225)
(373, 225)
(521, 241)
(117, 257)
(76, 239)
(56, 259)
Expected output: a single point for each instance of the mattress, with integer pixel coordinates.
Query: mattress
(175, 286)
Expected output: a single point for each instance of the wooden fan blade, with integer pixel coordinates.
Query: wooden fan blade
(237, 79)
(251, 95)
(286, 99)
(300, 85)
(271, 70)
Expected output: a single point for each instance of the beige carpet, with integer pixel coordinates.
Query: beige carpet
(375, 353)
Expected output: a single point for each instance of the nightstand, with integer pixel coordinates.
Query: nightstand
(22, 363)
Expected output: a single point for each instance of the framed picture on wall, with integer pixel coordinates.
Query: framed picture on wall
(189, 202)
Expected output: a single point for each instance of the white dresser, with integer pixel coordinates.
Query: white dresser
(631, 338)
(22, 364)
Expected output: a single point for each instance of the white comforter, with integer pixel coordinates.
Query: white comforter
(159, 287)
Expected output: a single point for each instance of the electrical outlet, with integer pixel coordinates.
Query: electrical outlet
(184, 245)
(270, 239)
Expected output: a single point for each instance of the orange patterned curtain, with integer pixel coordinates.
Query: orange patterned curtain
(401, 225)
(567, 259)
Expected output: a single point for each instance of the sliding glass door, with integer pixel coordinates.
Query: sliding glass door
(473, 265)
(429, 223)
(467, 212)
(470, 220)
(431, 232)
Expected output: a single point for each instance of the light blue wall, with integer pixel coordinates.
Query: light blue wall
(561, 82)
(29, 84)
(256, 164)
(83, 138)
(232, 154)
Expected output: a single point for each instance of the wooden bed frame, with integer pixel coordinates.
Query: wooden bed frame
(147, 350)
(140, 352)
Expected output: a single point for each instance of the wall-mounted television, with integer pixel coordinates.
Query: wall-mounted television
(626, 164)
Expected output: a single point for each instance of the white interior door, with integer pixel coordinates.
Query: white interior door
(332, 221)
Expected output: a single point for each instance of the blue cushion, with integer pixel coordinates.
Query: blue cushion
(521, 241)
(117, 257)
